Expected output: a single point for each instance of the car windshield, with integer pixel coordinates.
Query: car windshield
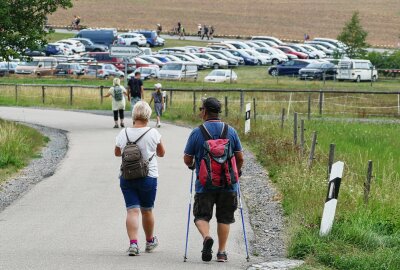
(217, 73)
(172, 67)
(30, 64)
(146, 71)
(94, 67)
(315, 65)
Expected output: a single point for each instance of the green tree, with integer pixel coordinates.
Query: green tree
(22, 24)
(354, 36)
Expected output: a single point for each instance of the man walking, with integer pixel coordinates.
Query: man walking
(214, 186)
(205, 32)
(136, 90)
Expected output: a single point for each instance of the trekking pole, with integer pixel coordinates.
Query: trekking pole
(244, 228)
(188, 220)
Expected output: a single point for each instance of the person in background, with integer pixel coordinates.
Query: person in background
(182, 33)
(140, 194)
(118, 93)
(212, 30)
(158, 98)
(159, 29)
(199, 30)
(136, 90)
(77, 21)
(205, 32)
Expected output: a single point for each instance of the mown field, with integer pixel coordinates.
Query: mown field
(18, 144)
(283, 19)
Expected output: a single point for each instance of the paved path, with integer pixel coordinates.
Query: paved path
(76, 218)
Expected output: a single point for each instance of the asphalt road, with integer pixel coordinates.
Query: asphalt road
(75, 219)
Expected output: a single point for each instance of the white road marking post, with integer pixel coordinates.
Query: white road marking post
(247, 118)
(328, 215)
(165, 100)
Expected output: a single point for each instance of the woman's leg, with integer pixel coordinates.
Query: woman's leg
(132, 223)
(115, 117)
(148, 223)
(121, 117)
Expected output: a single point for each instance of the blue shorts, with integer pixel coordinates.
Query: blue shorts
(140, 193)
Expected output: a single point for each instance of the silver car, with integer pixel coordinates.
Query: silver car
(103, 71)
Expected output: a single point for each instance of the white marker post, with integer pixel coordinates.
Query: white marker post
(164, 94)
(247, 119)
(126, 52)
(331, 199)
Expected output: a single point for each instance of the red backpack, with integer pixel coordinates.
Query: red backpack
(218, 165)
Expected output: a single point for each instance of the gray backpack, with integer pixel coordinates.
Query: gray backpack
(118, 93)
(134, 166)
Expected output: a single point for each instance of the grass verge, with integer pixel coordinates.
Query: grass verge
(18, 145)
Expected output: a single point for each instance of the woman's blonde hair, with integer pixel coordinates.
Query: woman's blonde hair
(141, 111)
(116, 82)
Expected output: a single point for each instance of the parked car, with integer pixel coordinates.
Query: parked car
(99, 36)
(54, 49)
(268, 38)
(104, 71)
(263, 59)
(356, 70)
(139, 62)
(289, 68)
(152, 38)
(65, 69)
(7, 68)
(248, 59)
(131, 39)
(318, 71)
(205, 63)
(32, 53)
(186, 58)
(75, 45)
(215, 62)
(172, 58)
(229, 55)
(221, 75)
(90, 46)
(276, 55)
(232, 62)
(174, 50)
(253, 45)
(179, 71)
(291, 51)
(40, 66)
(332, 41)
(162, 58)
(300, 49)
(237, 44)
(106, 58)
(152, 60)
(314, 53)
(327, 51)
(146, 73)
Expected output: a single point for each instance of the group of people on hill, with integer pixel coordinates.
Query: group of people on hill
(217, 185)
(205, 31)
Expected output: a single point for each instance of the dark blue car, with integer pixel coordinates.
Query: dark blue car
(290, 68)
(152, 38)
(248, 59)
(52, 49)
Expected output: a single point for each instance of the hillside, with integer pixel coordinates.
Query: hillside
(284, 19)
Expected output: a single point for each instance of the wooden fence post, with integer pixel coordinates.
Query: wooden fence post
(241, 100)
(255, 110)
(367, 184)
(16, 93)
(43, 94)
(71, 95)
(302, 136)
(282, 117)
(312, 152)
(309, 107)
(102, 93)
(321, 100)
(295, 127)
(331, 157)
(226, 106)
(194, 101)
(170, 98)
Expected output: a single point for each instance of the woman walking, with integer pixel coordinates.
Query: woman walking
(118, 93)
(140, 194)
(158, 98)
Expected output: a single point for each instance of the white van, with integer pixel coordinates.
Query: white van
(178, 71)
(356, 70)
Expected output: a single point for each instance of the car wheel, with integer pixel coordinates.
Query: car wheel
(274, 72)
(275, 61)
(358, 79)
(374, 78)
(105, 77)
(259, 63)
(215, 66)
(148, 45)
(96, 50)
(134, 44)
(121, 76)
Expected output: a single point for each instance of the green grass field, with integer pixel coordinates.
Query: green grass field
(18, 145)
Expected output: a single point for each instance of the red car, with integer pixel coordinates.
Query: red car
(289, 50)
(139, 62)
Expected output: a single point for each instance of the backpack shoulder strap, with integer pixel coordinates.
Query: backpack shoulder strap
(206, 135)
(126, 134)
(224, 133)
(142, 135)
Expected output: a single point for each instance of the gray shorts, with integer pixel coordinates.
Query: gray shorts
(158, 109)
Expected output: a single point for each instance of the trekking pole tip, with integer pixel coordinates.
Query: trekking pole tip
(248, 259)
(184, 259)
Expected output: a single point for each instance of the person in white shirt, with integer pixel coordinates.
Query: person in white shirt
(118, 93)
(140, 194)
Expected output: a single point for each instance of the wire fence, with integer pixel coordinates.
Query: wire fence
(266, 103)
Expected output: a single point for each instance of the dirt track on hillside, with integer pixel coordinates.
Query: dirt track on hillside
(284, 19)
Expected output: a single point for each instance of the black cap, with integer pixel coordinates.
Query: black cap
(212, 105)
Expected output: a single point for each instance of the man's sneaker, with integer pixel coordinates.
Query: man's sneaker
(133, 250)
(122, 125)
(150, 246)
(222, 257)
(116, 126)
(206, 255)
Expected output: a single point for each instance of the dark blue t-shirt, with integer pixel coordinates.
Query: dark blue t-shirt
(195, 143)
